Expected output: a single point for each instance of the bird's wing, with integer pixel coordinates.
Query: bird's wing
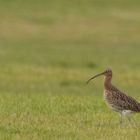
(125, 102)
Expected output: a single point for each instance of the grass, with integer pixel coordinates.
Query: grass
(60, 117)
(48, 50)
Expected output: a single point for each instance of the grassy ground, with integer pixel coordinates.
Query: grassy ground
(48, 49)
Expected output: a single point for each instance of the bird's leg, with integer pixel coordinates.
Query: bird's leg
(131, 120)
(121, 118)
(127, 113)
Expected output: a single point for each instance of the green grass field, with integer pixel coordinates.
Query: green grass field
(48, 49)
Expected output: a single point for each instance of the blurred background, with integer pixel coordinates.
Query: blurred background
(53, 46)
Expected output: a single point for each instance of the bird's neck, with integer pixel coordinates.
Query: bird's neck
(107, 82)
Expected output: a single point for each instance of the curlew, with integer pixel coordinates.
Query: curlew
(115, 99)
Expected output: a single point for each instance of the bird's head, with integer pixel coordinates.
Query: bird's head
(106, 73)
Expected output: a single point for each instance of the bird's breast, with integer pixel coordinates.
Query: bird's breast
(108, 97)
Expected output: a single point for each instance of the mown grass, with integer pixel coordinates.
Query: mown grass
(60, 117)
(48, 50)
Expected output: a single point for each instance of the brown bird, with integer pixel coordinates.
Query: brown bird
(115, 99)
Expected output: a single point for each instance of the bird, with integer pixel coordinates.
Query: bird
(115, 99)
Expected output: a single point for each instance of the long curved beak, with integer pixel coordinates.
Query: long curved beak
(95, 76)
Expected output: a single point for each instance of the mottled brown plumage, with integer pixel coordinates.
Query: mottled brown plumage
(115, 99)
